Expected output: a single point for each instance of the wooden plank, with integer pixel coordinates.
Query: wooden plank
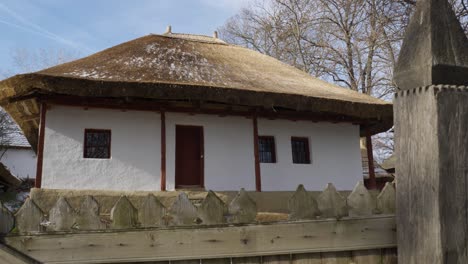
(212, 210)
(308, 258)
(152, 212)
(343, 257)
(210, 242)
(360, 202)
(9, 256)
(386, 199)
(302, 205)
(389, 256)
(7, 220)
(277, 259)
(29, 217)
(247, 260)
(62, 216)
(418, 190)
(216, 261)
(331, 204)
(242, 208)
(193, 261)
(370, 256)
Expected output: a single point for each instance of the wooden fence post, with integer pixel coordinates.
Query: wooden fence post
(7, 220)
(386, 199)
(152, 212)
(62, 216)
(360, 202)
(212, 210)
(29, 217)
(124, 214)
(302, 205)
(431, 137)
(242, 208)
(331, 204)
(183, 212)
(88, 217)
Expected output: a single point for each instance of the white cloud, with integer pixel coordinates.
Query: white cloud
(27, 25)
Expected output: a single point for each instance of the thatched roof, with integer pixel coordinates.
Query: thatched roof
(187, 67)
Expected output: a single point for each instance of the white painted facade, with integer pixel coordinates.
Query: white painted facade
(20, 161)
(135, 150)
(135, 162)
(334, 152)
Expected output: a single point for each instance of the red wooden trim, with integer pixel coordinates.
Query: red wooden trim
(273, 150)
(370, 159)
(157, 106)
(258, 180)
(85, 143)
(163, 151)
(306, 141)
(40, 146)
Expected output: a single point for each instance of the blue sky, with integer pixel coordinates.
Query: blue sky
(86, 26)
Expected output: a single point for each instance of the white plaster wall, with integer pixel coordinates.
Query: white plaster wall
(228, 142)
(334, 152)
(21, 162)
(135, 150)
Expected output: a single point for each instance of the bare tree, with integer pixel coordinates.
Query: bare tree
(353, 43)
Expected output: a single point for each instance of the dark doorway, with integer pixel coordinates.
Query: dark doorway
(189, 157)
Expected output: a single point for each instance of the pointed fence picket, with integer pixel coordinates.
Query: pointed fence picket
(124, 215)
(183, 212)
(88, 217)
(7, 220)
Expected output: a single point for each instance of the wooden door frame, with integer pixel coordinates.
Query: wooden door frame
(202, 154)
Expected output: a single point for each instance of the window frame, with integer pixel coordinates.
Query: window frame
(85, 142)
(307, 150)
(273, 149)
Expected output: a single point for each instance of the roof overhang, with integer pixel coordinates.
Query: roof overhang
(21, 96)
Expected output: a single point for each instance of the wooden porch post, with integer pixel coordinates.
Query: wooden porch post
(40, 146)
(370, 159)
(258, 180)
(163, 150)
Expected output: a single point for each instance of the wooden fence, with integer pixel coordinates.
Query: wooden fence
(357, 229)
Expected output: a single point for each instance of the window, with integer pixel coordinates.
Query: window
(97, 144)
(300, 150)
(266, 149)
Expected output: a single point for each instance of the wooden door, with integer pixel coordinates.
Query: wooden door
(189, 157)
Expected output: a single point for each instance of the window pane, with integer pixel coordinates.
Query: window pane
(266, 149)
(97, 144)
(300, 150)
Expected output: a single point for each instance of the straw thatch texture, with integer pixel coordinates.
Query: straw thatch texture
(181, 67)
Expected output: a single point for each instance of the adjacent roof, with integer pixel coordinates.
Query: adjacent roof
(15, 140)
(435, 48)
(189, 67)
(7, 178)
